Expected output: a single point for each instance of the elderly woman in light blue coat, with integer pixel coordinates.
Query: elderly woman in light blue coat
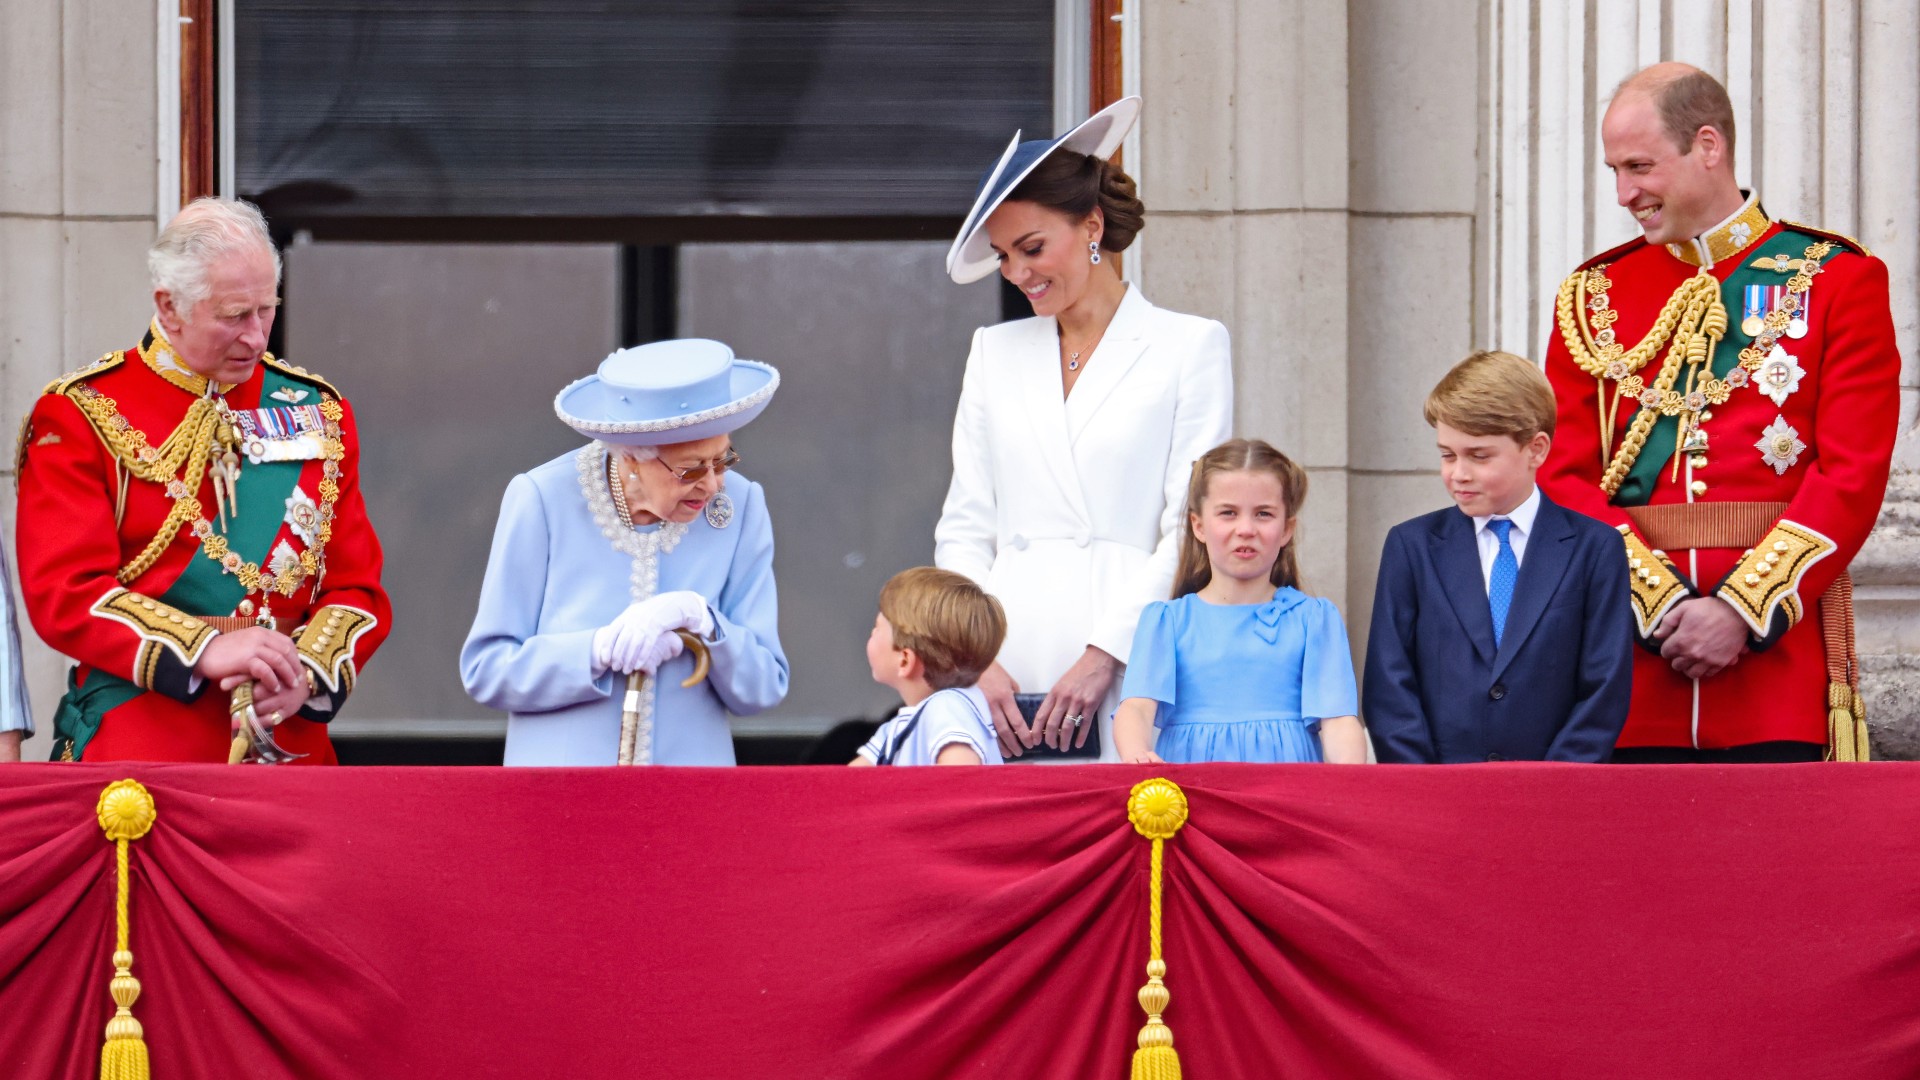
(603, 554)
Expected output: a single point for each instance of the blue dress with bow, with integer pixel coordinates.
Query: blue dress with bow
(1242, 682)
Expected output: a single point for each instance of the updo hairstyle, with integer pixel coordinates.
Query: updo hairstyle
(1073, 184)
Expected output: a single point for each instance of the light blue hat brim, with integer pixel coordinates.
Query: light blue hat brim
(591, 408)
(971, 257)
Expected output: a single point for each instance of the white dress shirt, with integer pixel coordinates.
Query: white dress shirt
(1522, 518)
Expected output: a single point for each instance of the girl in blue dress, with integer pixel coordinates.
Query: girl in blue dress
(1240, 665)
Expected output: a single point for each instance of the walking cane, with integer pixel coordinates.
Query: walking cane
(637, 682)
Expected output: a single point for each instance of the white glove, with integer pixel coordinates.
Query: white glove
(660, 650)
(634, 634)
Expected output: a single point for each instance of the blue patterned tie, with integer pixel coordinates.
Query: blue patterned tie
(1506, 573)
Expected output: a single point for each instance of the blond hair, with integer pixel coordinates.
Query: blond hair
(1239, 455)
(952, 624)
(1493, 393)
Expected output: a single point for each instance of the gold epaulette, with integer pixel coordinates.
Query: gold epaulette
(59, 386)
(298, 372)
(1612, 254)
(99, 367)
(1842, 239)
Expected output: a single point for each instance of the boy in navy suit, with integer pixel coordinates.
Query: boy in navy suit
(1500, 631)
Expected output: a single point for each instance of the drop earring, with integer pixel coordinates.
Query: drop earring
(1093, 252)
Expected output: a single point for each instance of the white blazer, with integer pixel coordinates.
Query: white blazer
(1071, 511)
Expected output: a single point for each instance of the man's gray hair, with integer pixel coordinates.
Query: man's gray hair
(205, 231)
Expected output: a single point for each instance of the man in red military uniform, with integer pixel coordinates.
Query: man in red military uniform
(190, 520)
(1728, 398)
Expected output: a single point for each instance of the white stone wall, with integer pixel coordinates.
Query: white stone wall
(77, 192)
(1311, 177)
(1243, 152)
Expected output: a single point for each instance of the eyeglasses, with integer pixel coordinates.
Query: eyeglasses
(700, 470)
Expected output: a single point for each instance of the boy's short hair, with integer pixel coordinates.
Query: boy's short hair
(1493, 393)
(952, 624)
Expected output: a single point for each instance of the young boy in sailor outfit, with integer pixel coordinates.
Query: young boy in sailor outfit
(936, 632)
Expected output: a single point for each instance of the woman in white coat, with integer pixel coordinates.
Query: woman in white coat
(1076, 432)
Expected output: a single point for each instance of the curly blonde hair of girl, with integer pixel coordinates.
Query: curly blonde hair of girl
(1239, 455)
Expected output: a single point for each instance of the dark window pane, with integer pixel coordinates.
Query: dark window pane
(570, 109)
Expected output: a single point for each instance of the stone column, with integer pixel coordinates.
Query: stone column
(1411, 282)
(77, 193)
(1827, 114)
(1243, 167)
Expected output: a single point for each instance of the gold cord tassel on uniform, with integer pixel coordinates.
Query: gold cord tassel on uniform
(1157, 808)
(1846, 712)
(126, 813)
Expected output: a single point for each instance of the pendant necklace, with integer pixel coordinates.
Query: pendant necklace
(1073, 355)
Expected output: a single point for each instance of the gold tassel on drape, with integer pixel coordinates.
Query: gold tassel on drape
(126, 813)
(1157, 808)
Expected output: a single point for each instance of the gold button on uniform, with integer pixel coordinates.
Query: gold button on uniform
(1698, 487)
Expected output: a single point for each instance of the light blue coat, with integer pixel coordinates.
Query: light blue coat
(555, 576)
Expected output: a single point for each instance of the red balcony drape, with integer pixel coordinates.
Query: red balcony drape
(1339, 922)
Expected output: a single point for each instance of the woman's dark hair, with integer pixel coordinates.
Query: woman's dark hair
(1073, 184)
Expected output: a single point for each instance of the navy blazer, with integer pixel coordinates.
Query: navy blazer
(1436, 689)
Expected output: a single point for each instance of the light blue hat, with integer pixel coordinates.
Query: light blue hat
(667, 392)
(971, 257)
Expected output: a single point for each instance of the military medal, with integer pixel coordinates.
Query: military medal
(1754, 307)
(303, 516)
(1779, 375)
(1780, 445)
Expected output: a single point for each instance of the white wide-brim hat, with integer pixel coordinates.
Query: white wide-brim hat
(667, 392)
(971, 257)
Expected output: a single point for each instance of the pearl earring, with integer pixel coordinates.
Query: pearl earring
(1093, 252)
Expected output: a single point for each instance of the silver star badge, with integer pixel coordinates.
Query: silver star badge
(1780, 445)
(303, 516)
(285, 562)
(1779, 375)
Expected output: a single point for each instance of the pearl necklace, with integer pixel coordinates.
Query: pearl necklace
(619, 490)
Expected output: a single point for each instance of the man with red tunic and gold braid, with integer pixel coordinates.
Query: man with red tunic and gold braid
(190, 520)
(1728, 395)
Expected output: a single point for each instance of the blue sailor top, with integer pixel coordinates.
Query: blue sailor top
(562, 566)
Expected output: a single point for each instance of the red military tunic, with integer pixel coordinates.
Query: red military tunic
(124, 551)
(1767, 459)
